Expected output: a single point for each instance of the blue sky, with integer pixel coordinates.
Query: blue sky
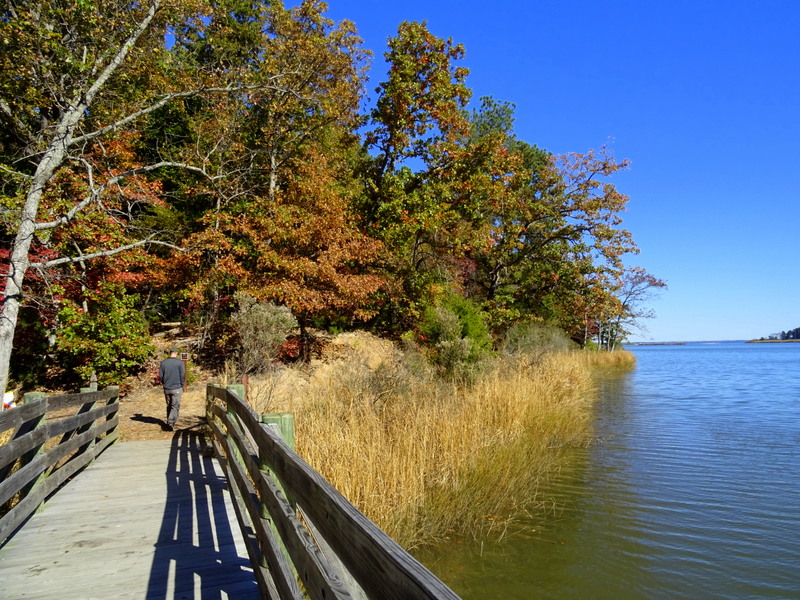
(702, 97)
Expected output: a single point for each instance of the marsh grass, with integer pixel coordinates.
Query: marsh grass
(427, 459)
(618, 359)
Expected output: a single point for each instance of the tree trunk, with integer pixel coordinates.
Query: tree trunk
(273, 175)
(19, 259)
(494, 282)
(51, 160)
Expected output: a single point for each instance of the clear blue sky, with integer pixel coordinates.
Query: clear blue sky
(702, 97)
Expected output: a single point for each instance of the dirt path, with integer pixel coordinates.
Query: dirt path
(142, 413)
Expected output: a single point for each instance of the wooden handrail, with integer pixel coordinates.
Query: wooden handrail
(298, 527)
(31, 466)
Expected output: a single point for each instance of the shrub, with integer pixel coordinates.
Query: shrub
(532, 341)
(110, 339)
(262, 328)
(456, 335)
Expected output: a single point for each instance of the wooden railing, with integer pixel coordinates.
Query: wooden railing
(33, 464)
(305, 540)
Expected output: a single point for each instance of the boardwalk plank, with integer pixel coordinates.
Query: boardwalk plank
(146, 520)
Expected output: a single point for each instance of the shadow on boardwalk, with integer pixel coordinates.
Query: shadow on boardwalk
(196, 548)
(146, 520)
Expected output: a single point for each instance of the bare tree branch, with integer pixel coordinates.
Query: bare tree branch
(97, 192)
(169, 97)
(83, 257)
(87, 97)
(15, 173)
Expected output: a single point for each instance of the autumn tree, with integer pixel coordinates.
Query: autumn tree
(76, 78)
(545, 225)
(282, 228)
(459, 200)
(419, 113)
(305, 249)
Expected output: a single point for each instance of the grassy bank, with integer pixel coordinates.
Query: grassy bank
(613, 361)
(426, 459)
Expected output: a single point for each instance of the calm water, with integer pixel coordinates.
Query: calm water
(693, 490)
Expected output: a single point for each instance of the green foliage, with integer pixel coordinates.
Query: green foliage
(591, 345)
(471, 321)
(262, 328)
(110, 339)
(249, 154)
(456, 335)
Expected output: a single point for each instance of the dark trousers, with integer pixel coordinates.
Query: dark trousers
(173, 398)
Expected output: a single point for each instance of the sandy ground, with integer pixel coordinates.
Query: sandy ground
(142, 413)
(143, 410)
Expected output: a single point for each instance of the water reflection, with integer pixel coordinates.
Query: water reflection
(691, 491)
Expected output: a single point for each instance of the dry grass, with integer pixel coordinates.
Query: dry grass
(425, 459)
(618, 359)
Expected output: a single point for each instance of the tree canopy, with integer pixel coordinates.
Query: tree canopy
(158, 158)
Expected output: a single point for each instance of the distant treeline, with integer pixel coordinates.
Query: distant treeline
(792, 334)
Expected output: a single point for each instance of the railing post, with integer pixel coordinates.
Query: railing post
(209, 399)
(239, 391)
(113, 431)
(263, 511)
(92, 384)
(237, 388)
(29, 456)
(284, 422)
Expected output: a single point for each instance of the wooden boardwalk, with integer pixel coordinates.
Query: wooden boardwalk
(146, 520)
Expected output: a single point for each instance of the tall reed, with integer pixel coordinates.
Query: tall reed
(618, 359)
(426, 459)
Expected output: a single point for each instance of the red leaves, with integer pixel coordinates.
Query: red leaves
(290, 349)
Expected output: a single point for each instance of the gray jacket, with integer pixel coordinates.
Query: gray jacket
(172, 373)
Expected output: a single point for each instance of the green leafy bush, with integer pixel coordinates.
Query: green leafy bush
(456, 335)
(110, 339)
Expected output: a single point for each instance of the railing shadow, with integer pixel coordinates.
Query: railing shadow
(196, 556)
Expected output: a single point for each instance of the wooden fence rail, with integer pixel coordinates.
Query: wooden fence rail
(33, 464)
(304, 538)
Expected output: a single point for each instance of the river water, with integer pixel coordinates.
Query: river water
(692, 489)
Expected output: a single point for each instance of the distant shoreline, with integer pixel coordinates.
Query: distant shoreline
(656, 344)
(711, 342)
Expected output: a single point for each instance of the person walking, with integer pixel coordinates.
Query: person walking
(172, 374)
